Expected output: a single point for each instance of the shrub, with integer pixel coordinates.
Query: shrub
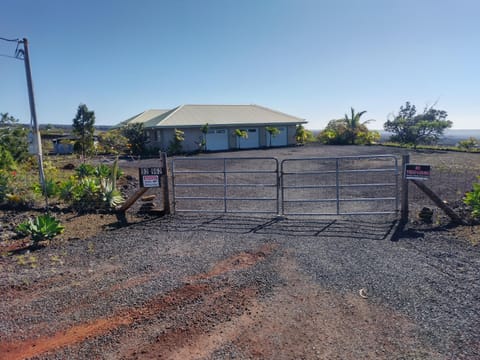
(338, 132)
(51, 188)
(369, 137)
(5, 186)
(175, 146)
(335, 133)
(85, 194)
(472, 199)
(302, 135)
(85, 170)
(16, 188)
(65, 189)
(18, 201)
(95, 191)
(6, 159)
(468, 144)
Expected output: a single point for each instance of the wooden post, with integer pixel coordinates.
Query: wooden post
(166, 194)
(131, 200)
(438, 201)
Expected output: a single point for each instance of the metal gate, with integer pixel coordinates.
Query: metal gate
(351, 185)
(226, 185)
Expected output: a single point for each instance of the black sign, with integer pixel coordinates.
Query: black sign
(417, 172)
(150, 177)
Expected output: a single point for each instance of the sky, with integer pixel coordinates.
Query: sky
(314, 59)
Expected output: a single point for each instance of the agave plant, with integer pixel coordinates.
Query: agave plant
(110, 195)
(43, 227)
(85, 170)
(50, 189)
(102, 171)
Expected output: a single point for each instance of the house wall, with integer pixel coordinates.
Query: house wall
(193, 138)
(291, 131)
(263, 136)
(59, 148)
(161, 138)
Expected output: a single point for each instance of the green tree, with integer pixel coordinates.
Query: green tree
(84, 127)
(7, 120)
(302, 135)
(6, 159)
(273, 131)
(137, 138)
(113, 142)
(411, 128)
(335, 133)
(13, 138)
(369, 137)
(348, 130)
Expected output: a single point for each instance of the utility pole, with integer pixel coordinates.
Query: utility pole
(33, 112)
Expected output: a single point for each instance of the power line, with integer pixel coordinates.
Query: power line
(11, 57)
(10, 40)
(19, 53)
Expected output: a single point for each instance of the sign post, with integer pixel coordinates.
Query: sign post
(150, 177)
(417, 172)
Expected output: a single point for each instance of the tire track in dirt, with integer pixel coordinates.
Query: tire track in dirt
(298, 320)
(213, 294)
(303, 320)
(237, 262)
(211, 315)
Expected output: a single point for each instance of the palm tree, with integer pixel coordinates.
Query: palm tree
(354, 126)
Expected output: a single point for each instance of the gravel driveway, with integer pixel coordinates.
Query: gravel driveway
(253, 287)
(231, 287)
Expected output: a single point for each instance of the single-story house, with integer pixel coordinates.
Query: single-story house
(216, 127)
(64, 145)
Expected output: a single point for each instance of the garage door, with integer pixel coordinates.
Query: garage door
(279, 139)
(217, 139)
(252, 141)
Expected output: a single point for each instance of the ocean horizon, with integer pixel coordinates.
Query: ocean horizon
(450, 136)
